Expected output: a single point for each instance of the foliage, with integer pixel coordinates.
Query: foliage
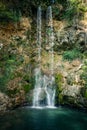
(84, 74)
(72, 54)
(10, 11)
(12, 92)
(4, 78)
(59, 83)
(56, 11)
(6, 72)
(74, 9)
(85, 94)
(27, 87)
(58, 80)
(9, 62)
(7, 14)
(28, 82)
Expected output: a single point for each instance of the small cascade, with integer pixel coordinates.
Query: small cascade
(38, 87)
(44, 91)
(50, 91)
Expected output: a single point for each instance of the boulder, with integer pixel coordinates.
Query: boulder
(5, 102)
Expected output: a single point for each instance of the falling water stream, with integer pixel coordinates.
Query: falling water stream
(50, 39)
(60, 118)
(44, 91)
(38, 76)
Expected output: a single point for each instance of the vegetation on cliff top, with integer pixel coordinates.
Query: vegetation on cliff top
(63, 9)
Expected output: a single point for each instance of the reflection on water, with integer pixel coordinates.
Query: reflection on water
(44, 119)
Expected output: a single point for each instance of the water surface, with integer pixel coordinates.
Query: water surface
(44, 119)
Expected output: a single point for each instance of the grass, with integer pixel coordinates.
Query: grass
(72, 54)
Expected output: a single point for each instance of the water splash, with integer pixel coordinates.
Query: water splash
(38, 87)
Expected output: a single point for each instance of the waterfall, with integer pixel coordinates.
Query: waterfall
(44, 90)
(37, 72)
(39, 33)
(50, 38)
(50, 91)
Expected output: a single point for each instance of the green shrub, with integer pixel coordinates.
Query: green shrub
(85, 94)
(72, 54)
(56, 11)
(9, 63)
(74, 8)
(69, 13)
(58, 80)
(27, 87)
(58, 77)
(7, 15)
(84, 74)
(3, 81)
(28, 81)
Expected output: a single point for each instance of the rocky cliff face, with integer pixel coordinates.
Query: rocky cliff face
(71, 86)
(4, 102)
(18, 55)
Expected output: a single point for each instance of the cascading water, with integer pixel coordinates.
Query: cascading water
(44, 91)
(37, 89)
(39, 33)
(38, 76)
(50, 91)
(50, 40)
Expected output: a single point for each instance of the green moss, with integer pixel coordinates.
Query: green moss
(85, 94)
(27, 88)
(60, 98)
(58, 80)
(28, 83)
(26, 78)
(9, 66)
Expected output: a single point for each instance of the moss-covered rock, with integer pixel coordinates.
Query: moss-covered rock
(85, 95)
(59, 83)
